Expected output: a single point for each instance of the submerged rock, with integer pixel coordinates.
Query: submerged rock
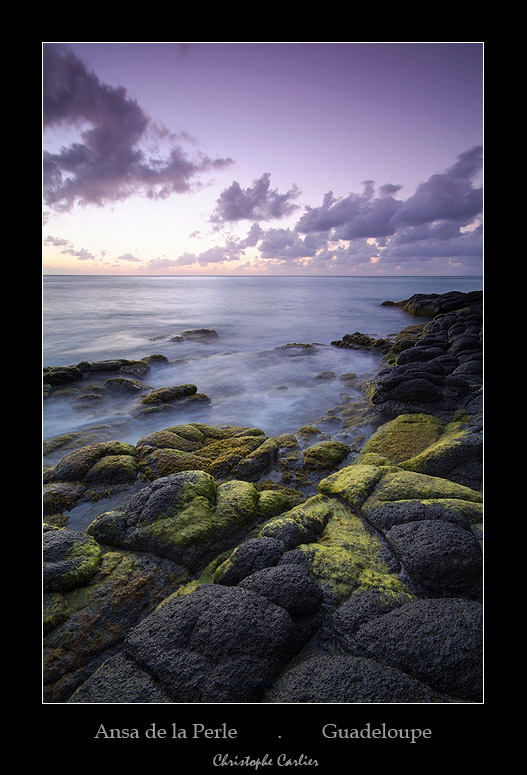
(168, 394)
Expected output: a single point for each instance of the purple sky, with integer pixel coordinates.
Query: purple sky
(263, 158)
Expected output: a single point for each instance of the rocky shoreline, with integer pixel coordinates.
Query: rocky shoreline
(234, 567)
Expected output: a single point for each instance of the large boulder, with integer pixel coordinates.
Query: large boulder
(438, 642)
(218, 644)
(346, 679)
(185, 517)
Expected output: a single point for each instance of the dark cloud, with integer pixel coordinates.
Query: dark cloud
(449, 197)
(463, 244)
(56, 241)
(109, 164)
(355, 216)
(286, 244)
(259, 202)
(82, 254)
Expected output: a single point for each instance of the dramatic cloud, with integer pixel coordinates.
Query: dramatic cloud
(286, 244)
(258, 203)
(446, 197)
(111, 163)
(355, 216)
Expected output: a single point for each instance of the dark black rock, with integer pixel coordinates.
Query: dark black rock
(438, 642)
(452, 337)
(444, 558)
(419, 353)
(289, 586)
(359, 608)
(415, 390)
(217, 644)
(386, 515)
(120, 680)
(70, 559)
(249, 557)
(347, 679)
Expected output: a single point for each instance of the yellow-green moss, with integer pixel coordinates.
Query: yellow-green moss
(221, 455)
(192, 524)
(206, 577)
(404, 437)
(352, 483)
(347, 557)
(306, 519)
(163, 462)
(397, 484)
(113, 469)
(87, 555)
(271, 503)
(55, 611)
(326, 455)
(452, 435)
(236, 506)
(169, 438)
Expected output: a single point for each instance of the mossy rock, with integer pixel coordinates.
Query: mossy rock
(75, 466)
(169, 438)
(398, 484)
(86, 623)
(189, 431)
(352, 483)
(70, 559)
(164, 462)
(404, 437)
(113, 469)
(61, 496)
(125, 385)
(272, 502)
(326, 455)
(167, 395)
(186, 517)
(424, 444)
(240, 452)
(193, 524)
(236, 506)
(348, 558)
(259, 461)
(301, 524)
(221, 456)
(308, 431)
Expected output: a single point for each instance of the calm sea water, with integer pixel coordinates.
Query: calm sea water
(249, 380)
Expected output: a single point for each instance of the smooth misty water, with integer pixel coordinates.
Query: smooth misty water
(249, 381)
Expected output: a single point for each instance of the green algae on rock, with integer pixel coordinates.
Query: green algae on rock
(404, 437)
(326, 455)
(301, 524)
(70, 559)
(187, 517)
(349, 558)
(352, 483)
(87, 622)
(425, 444)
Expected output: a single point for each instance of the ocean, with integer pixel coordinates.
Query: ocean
(250, 377)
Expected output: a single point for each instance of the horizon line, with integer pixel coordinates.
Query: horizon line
(369, 276)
